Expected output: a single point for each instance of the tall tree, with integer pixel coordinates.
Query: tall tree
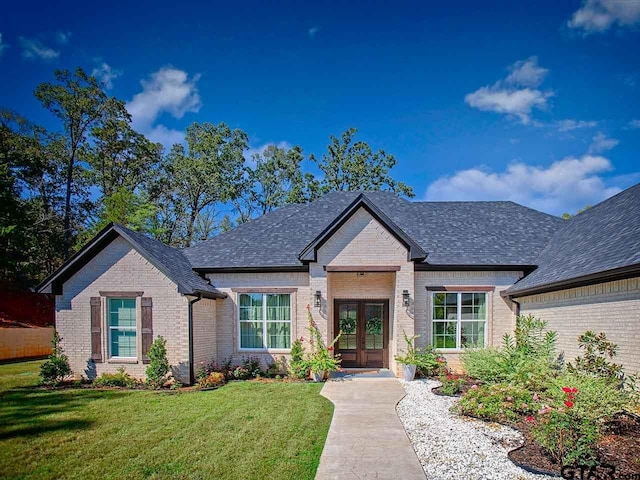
(204, 173)
(30, 205)
(80, 104)
(121, 157)
(275, 181)
(350, 165)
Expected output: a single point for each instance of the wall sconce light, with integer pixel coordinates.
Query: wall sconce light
(317, 299)
(405, 298)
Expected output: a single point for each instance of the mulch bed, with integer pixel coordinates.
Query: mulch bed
(620, 447)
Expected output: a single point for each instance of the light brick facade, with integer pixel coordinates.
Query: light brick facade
(610, 307)
(119, 267)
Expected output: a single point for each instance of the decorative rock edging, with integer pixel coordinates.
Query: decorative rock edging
(449, 446)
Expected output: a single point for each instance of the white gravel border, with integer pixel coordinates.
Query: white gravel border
(450, 446)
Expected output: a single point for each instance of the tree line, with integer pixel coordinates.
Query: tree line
(59, 188)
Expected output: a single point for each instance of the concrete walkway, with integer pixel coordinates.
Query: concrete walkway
(366, 438)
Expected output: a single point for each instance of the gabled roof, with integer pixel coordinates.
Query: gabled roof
(168, 260)
(414, 251)
(602, 243)
(464, 234)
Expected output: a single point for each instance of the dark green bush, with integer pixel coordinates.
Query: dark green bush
(297, 365)
(56, 369)
(427, 364)
(119, 379)
(597, 359)
(158, 367)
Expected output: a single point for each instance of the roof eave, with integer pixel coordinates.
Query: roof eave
(614, 274)
(414, 251)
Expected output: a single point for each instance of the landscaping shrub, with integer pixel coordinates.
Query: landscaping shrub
(119, 379)
(297, 365)
(499, 402)
(452, 383)
(277, 369)
(527, 358)
(158, 364)
(597, 359)
(250, 367)
(570, 425)
(56, 369)
(427, 364)
(212, 380)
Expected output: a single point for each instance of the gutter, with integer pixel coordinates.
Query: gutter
(190, 328)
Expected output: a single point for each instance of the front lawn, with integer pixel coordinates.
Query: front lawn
(243, 430)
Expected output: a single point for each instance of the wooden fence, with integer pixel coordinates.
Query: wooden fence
(18, 342)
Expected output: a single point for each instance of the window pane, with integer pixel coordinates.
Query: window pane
(445, 334)
(472, 334)
(123, 343)
(250, 307)
(467, 299)
(480, 299)
(452, 313)
(278, 307)
(452, 299)
(438, 298)
(251, 335)
(467, 313)
(279, 334)
(122, 312)
(438, 313)
(373, 326)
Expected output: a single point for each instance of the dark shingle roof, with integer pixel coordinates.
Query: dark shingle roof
(168, 260)
(452, 233)
(600, 239)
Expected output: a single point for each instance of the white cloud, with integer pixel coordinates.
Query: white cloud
(313, 31)
(526, 73)
(251, 151)
(63, 37)
(516, 95)
(34, 49)
(601, 143)
(565, 186)
(3, 45)
(600, 15)
(569, 124)
(164, 135)
(633, 124)
(169, 90)
(106, 74)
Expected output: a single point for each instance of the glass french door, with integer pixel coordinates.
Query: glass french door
(364, 328)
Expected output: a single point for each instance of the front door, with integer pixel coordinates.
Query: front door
(364, 324)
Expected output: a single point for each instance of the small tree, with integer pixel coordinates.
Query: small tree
(56, 369)
(159, 365)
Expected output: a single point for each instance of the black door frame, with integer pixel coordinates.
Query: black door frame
(360, 331)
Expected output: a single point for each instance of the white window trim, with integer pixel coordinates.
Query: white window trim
(264, 323)
(458, 347)
(110, 328)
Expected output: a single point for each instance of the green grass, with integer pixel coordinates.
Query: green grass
(243, 430)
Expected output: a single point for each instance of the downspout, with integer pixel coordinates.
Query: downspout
(190, 326)
(517, 306)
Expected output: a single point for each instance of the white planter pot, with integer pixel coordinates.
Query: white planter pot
(317, 376)
(408, 372)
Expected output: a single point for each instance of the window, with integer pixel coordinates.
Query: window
(459, 319)
(265, 320)
(122, 328)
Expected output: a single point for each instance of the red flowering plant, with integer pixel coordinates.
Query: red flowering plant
(572, 420)
(321, 357)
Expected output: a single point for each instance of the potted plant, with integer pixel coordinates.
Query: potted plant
(409, 360)
(321, 358)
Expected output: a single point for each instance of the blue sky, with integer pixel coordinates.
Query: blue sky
(536, 102)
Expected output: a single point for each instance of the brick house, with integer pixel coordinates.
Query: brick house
(370, 264)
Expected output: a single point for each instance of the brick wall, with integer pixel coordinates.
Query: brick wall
(227, 309)
(119, 267)
(204, 331)
(611, 307)
(500, 312)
